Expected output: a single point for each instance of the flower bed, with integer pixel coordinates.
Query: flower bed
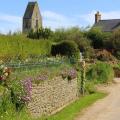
(18, 84)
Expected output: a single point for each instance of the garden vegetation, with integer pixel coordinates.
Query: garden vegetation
(61, 45)
(41, 41)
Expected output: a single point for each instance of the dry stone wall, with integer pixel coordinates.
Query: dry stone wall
(50, 96)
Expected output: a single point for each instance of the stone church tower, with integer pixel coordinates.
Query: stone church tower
(32, 19)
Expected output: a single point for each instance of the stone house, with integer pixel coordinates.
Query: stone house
(32, 18)
(106, 25)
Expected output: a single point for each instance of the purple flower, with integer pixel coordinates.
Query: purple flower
(72, 74)
(27, 87)
(41, 77)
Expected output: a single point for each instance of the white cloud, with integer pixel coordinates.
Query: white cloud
(55, 20)
(9, 22)
(10, 18)
(53, 16)
(90, 18)
(111, 15)
(50, 19)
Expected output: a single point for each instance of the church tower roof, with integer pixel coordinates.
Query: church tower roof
(29, 10)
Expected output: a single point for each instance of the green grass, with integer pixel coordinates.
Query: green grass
(20, 45)
(71, 111)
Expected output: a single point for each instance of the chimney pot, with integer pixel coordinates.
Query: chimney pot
(97, 17)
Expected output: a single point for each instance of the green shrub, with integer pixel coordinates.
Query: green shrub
(97, 37)
(42, 33)
(115, 39)
(70, 34)
(65, 48)
(5, 102)
(100, 72)
(90, 87)
(77, 35)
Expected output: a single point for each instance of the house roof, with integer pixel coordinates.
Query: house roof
(108, 25)
(29, 10)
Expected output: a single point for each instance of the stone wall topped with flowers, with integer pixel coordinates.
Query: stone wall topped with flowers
(50, 96)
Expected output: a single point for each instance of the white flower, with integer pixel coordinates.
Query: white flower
(6, 74)
(5, 68)
(26, 60)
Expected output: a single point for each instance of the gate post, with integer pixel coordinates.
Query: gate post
(83, 78)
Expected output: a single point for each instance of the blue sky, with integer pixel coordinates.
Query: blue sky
(58, 13)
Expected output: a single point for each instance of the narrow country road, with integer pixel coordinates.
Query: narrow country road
(107, 108)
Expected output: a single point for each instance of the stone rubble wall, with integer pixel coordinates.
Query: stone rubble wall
(50, 96)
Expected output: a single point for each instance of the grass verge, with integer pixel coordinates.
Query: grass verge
(71, 111)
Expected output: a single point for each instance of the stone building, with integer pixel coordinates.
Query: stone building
(32, 18)
(106, 25)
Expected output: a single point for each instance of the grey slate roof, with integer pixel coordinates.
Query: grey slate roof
(29, 10)
(108, 25)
